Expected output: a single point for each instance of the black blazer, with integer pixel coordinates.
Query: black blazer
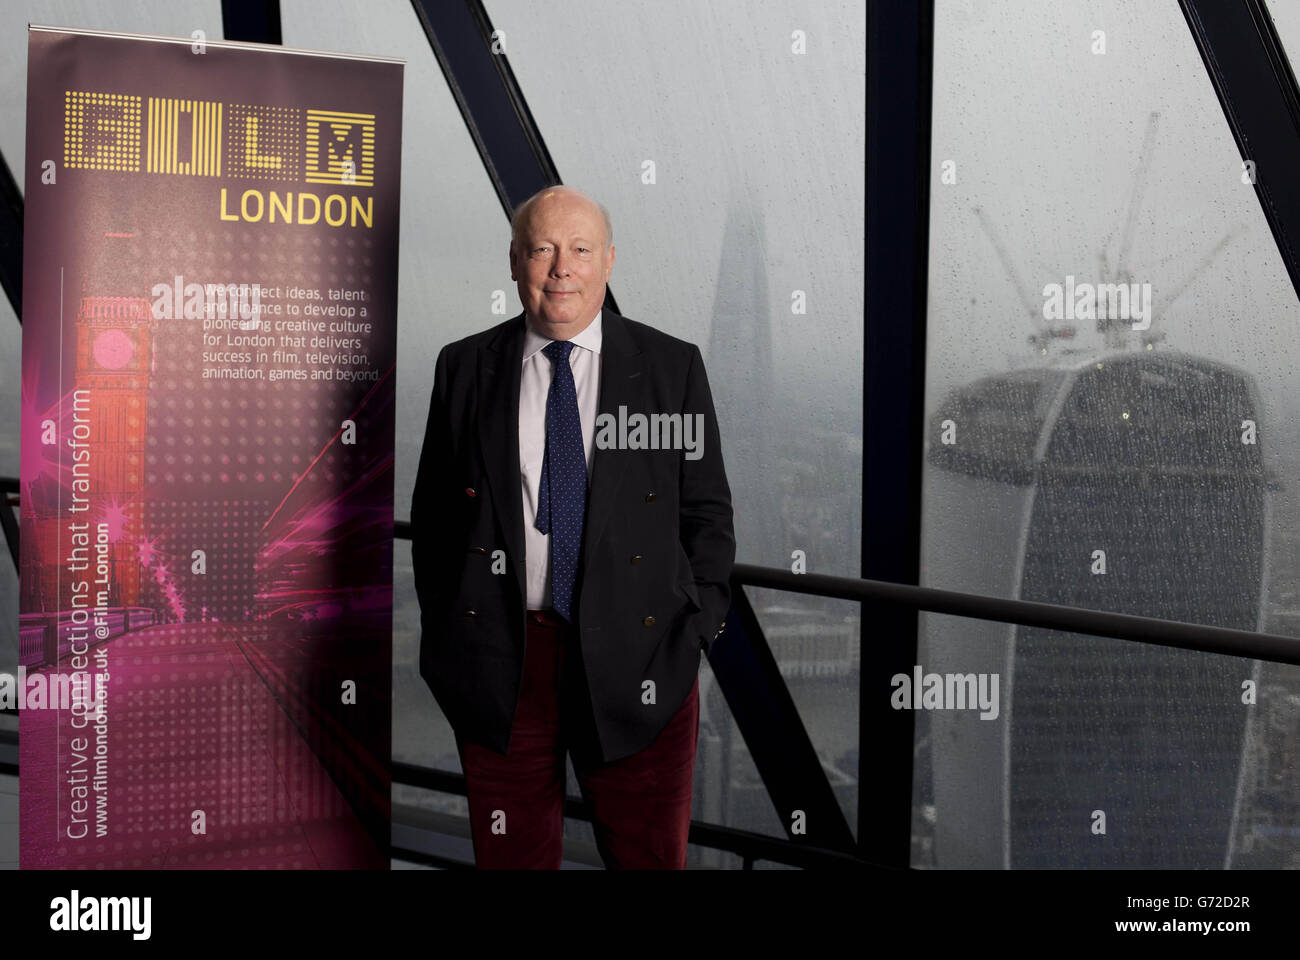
(658, 543)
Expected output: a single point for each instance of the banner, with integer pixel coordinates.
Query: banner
(209, 326)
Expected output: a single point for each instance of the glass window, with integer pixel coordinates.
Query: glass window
(1110, 380)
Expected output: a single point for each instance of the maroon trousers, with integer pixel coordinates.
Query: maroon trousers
(641, 805)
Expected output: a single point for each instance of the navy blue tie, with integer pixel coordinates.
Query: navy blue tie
(562, 494)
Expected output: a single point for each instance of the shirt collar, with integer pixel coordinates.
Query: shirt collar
(589, 339)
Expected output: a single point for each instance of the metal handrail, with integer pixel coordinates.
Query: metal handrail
(1031, 613)
(746, 844)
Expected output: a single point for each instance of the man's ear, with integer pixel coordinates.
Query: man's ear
(609, 266)
(511, 254)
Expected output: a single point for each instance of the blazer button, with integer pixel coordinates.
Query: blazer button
(636, 559)
(649, 621)
(471, 613)
(649, 498)
(471, 492)
(477, 550)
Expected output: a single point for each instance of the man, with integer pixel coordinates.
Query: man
(570, 570)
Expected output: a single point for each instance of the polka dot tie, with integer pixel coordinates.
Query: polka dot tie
(562, 495)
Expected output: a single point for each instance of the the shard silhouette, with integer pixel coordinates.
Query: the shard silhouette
(741, 376)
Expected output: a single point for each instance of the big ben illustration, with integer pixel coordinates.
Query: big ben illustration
(114, 366)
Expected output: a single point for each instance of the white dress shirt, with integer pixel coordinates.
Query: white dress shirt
(534, 388)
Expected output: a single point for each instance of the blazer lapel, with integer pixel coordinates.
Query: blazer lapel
(622, 382)
(500, 364)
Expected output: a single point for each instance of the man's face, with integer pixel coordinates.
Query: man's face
(561, 264)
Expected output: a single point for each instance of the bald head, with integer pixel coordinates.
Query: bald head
(561, 195)
(561, 253)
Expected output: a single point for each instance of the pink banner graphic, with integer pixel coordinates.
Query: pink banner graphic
(209, 339)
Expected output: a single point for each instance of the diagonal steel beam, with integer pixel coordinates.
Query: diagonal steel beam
(750, 679)
(1257, 90)
(10, 525)
(490, 100)
(11, 239)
